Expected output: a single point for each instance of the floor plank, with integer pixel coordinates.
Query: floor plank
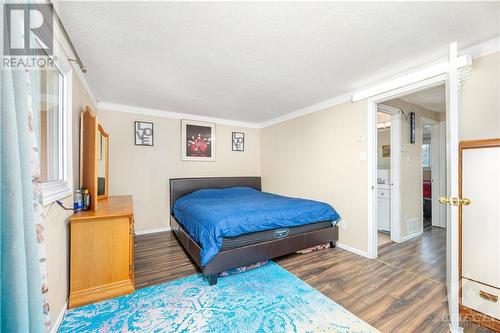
(401, 291)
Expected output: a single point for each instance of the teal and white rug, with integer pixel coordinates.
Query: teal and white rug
(267, 299)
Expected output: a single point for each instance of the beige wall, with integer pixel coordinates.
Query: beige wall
(411, 162)
(56, 227)
(144, 171)
(317, 156)
(480, 111)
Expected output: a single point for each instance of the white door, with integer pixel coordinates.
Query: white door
(436, 162)
(452, 110)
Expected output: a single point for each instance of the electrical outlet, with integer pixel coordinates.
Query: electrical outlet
(343, 224)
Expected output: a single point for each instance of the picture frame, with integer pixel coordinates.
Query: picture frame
(386, 150)
(144, 133)
(413, 130)
(238, 141)
(198, 141)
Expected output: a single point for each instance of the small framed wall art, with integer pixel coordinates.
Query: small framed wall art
(413, 130)
(198, 141)
(386, 151)
(238, 141)
(143, 133)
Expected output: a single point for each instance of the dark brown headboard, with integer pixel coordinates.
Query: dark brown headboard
(181, 186)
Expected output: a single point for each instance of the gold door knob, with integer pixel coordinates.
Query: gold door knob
(466, 202)
(444, 200)
(463, 201)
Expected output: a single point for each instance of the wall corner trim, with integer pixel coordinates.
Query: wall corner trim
(60, 317)
(84, 81)
(353, 250)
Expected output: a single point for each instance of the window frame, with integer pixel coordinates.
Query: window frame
(428, 157)
(63, 187)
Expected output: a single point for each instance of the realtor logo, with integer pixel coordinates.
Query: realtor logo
(28, 29)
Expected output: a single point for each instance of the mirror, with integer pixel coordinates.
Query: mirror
(102, 163)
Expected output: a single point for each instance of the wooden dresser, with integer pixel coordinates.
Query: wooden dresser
(102, 238)
(102, 251)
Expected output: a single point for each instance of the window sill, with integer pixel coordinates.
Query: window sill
(56, 190)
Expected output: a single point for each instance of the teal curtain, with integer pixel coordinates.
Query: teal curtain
(21, 295)
(21, 304)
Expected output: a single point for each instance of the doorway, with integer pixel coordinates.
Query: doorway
(383, 178)
(421, 157)
(418, 178)
(412, 170)
(434, 168)
(445, 73)
(388, 174)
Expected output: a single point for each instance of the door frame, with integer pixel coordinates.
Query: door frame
(372, 108)
(395, 169)
(435, 168)
(404, 85)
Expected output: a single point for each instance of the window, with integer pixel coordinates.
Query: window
(53, 100)
(426, 155)
(51, 116)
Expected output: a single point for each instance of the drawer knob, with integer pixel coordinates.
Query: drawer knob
(488, 296)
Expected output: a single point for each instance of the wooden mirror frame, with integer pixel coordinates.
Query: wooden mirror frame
(106, 179)
(88, 154)
(89, 130)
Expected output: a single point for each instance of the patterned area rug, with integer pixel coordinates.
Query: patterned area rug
(267, 299)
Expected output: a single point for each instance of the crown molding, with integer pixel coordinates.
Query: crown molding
(475, 51)
(309, 109)
(173, 115)
(483, 49)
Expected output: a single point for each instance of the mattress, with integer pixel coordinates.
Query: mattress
(211, 215)
(267, 235)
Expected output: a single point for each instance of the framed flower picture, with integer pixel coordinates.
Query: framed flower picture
(198, 141)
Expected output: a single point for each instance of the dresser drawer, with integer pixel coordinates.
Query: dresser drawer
(480, 297)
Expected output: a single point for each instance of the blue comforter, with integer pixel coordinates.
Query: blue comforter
(213, 214)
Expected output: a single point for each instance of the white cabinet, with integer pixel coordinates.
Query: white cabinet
(481, 219)
(480, 224)
(384, 209)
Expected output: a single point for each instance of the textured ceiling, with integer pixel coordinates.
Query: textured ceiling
(433, 99)
(254, 61)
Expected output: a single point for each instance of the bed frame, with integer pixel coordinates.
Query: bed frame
(244, 255)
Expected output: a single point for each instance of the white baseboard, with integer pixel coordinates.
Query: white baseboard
(55, 326)
(407, 238)
(152, 231)
(352, 249)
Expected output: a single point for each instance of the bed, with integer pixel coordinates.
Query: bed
(237, 229)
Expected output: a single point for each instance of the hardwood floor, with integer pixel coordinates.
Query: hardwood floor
(159, 258)
(392, 293)
(383, 238)
(425, 256)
